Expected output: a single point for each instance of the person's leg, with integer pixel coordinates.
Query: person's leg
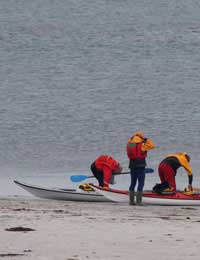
(133, 180)
(161, 172)
(132, 187)
(141, 180)
(170, 178)
(167, 174)
(97, 174)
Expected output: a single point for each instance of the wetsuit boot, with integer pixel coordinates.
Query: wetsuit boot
(139, 198)
(131, 198)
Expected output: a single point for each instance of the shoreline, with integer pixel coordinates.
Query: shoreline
(86, 230)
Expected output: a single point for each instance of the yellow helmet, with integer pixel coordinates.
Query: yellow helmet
(140, 134)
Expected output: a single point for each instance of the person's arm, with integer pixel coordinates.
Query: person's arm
(190, 179)
(188, 169)
(107, 172)
(147, 145)
(118, 169)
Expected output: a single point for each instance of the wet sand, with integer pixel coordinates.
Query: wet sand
(46, 229)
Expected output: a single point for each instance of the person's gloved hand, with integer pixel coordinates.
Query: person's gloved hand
(112, 180)
(144, 139)
(105, 188)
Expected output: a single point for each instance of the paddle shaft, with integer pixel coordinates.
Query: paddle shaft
(92, 176)
(147, 170)
(78, 178)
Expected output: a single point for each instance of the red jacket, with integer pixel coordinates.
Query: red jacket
(135, 152)
(137, 148)
(107, 165)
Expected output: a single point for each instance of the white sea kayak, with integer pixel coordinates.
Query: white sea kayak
(63, 194)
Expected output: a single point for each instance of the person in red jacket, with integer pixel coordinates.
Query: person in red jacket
(103, 168)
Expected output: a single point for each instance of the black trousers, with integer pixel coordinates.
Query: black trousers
(97, 174)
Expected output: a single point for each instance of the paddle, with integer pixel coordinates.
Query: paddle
(78, 178)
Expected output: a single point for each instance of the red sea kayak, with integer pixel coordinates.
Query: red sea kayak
(177, 199)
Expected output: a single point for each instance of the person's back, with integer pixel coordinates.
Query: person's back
(137, 148)
(172, 161)
(103, 168)
(106, 161)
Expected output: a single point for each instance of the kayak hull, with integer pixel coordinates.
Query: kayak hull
(110, 195)
(175, 199)
(62, 194)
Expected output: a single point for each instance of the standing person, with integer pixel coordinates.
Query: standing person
(168, 167)
(136, 149)
(103, 168)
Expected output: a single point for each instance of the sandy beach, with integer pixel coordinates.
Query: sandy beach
(46, 229)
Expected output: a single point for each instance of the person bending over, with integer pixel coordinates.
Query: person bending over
(168, 168)
(103, 169)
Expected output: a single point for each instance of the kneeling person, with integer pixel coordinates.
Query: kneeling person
(168, 168)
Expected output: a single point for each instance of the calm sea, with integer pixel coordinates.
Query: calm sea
(77, 78)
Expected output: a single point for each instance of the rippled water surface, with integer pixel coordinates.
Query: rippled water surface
(79, 77)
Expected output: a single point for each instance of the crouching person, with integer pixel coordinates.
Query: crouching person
(104, 168)
(168, 168)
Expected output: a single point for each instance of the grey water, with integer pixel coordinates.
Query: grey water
(78, 78)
